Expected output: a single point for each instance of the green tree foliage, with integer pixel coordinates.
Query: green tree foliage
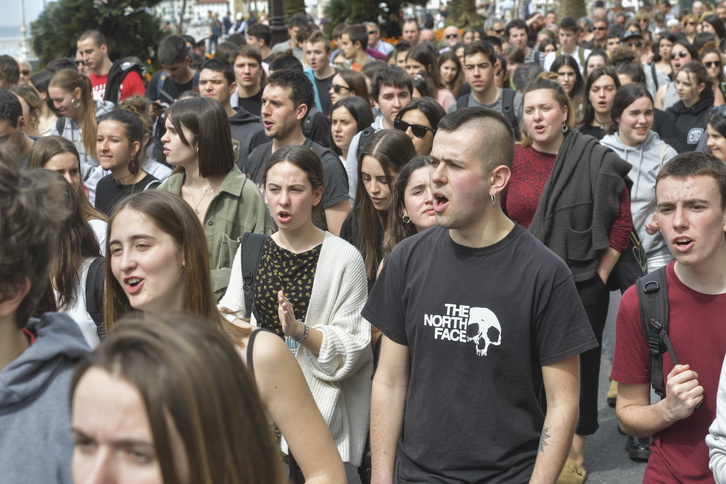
(462, 13)
(572, 8)
(292, 7)
(356, 11)
(128, 25)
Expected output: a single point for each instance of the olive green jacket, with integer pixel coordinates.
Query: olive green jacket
(235, 209)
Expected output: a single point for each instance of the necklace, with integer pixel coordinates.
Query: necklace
(196, 207)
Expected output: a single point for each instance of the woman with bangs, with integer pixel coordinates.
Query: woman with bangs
(571, 193)
(423, 58)
(690, 114)
(348, 117)
(198, 143)
(347, 83)
(452, 74)
(681, 54)
(602, 84)
(569, 76)
(158, 263)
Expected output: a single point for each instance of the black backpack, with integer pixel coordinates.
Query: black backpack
(364, 136)
(507, 107)
(251, 247)
(95, 288)
(654, 314)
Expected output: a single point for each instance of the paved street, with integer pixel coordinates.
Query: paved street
(605, 456)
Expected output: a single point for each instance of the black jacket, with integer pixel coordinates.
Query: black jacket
(691, 122)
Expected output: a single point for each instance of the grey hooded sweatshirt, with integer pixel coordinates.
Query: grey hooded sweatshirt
(35, 436)
(646, 159)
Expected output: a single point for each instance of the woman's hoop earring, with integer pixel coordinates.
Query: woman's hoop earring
(406, 219)
(494, 200)
(75, 102)
(565, 128)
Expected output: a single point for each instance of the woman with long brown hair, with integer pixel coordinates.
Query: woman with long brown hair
(383, 156)
(158, 262)
(72, 95)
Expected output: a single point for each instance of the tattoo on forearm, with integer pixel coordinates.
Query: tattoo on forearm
(543, 439)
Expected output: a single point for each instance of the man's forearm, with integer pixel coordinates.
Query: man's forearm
(387, 407)
(554, 443)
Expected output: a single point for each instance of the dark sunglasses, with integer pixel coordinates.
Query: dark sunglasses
(712, 64)
(599, 28)
(637, 45)
(680, 54)
(418, 130)
(499, 32)
(452, 36)
(337, 87)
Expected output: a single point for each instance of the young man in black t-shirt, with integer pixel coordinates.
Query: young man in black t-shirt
(478, 318)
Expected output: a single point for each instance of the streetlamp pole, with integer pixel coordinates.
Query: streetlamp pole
(24, 47)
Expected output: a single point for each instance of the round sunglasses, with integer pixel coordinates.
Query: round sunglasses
(680, 54)
(337, 87)
(418, 130)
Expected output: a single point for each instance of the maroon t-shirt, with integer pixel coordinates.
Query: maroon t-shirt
(698, 333)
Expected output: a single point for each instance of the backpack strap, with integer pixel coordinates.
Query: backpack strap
(581, 55)
(307, 126)
(251, 247)
(250, 348)
(508, 109)
(251, 166)
(95, 288)
(364, 135)
(653, 301)
(654, 74)
(60, 125)
(462, 101)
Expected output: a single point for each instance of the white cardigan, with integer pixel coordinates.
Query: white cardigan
(340, 376)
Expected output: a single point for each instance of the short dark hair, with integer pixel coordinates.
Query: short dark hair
(219, 65)
(298, 20)
(693, 163)
(517, 23)
(525, 73)
(10, 108)
(569, 23)
(172, 50)
(357, 33)
(301, 88)
(98, 37)
(390, 76)
(286, 62)
(9, 69)
(596, 74)
(207, 121)
(246, 51)
(481, 47)
(624, 97)
(260, 31)
(497, 140)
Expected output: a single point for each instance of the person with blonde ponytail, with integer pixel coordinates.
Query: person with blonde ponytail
(72, 97)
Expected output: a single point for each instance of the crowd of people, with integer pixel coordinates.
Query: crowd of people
(339, 259)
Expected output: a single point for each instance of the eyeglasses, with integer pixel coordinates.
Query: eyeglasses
(499, 32)
(680, 54)
(637, 45)
(712, 64)
(418, 130)
(452, 36)
(599, 28)
(337, 87)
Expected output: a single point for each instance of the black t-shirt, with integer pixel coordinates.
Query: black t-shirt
(480, 323)
(171, 90)
(109, 192)
(323, 86)
(252, 104)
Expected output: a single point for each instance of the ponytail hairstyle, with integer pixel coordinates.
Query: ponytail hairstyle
(70, 80)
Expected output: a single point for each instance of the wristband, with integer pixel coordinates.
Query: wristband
(301, 337)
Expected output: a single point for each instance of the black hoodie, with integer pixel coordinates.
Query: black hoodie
(247, 134)
(691, 122)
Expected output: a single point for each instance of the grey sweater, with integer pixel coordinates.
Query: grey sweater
(35, 437)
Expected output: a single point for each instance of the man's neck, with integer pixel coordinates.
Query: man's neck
(491, 227)
(296, 138)
(187, 77)
(245, 92)
(360, 57)
(325, 72)
(488, 96)
(12, 342)
(229, 110)
(707, 277)
(104, 68)
(265, 52)
(570, 50)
